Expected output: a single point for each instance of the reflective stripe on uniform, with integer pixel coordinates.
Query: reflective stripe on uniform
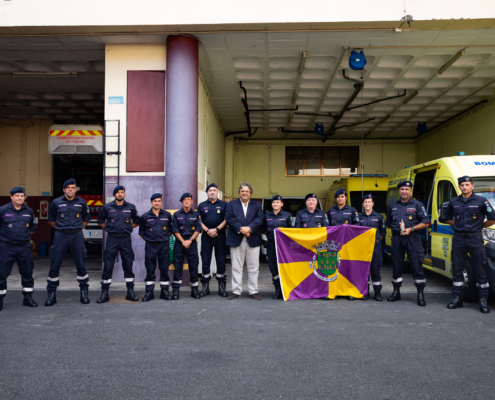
(206, 276)
(149, 283)
(420, 281)
(276, 277)
(27, 289)
(3, 291)
(397, 280)
(81, 278)
(166, 283)
(52, 279)
(220, 275)
(377, 283)
(194, 284)
(458, 283)
(129, 279)
(483, 285)
(180, 282)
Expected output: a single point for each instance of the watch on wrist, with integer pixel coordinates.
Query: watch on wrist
(218, 230)
(412, 230)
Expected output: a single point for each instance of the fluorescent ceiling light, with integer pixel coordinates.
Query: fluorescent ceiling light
(44, 74)
(451, 61)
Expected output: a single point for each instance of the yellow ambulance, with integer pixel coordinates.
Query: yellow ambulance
(356, 185)
(434, 184)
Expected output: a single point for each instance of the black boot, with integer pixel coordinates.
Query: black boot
(221, 289)
(421, 298)
(148, 296)
(378, 294)
(131, 296)
(165, 294)
(104, 297)
(51, 299)
(278, 290)
(84, 297)
(205, 290)
(395, 296)
(175, 294)
(1, 303)
(28, 300)
(456, 303)
(367, 294)
(484, 305)
(195, 292)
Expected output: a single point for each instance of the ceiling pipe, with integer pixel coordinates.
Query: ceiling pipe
(378, 101)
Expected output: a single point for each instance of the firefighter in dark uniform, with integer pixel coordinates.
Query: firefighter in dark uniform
(118, 218)
(155, 227)
(277, 218)
(68, 215)
(372, 219)
(212, 212)
(17, 224)
(406, 217)
(466, 213)
(342, 213)
(186, 225)
(311, 217)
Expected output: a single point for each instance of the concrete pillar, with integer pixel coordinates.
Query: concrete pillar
(181, 158)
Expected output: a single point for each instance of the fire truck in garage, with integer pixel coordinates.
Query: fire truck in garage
(78, 153)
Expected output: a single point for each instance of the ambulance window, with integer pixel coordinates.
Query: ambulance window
(445, 192)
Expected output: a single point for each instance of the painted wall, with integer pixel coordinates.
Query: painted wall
(262, 164)
(157, 12)
(24, 158)
(473, 133)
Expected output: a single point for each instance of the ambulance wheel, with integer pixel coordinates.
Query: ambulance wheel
(470, 291)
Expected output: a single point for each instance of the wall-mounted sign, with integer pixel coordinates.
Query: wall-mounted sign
(116, 100)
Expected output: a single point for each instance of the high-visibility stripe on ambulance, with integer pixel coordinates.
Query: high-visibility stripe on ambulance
(75, 133)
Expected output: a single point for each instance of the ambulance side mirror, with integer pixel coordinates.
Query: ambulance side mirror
(442, 211)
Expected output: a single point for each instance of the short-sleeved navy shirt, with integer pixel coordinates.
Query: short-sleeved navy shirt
(411, 212)
(16, 225)
(373, 220)
(307, 219)
(118, 219)
(68, 214)
(272, 221)
(186, 223)
(212, 214)
(469, 213)
(155, 228)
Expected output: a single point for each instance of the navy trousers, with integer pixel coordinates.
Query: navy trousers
(376, 263)
(112, 247)
(411, 245)
(207, 245)
(271, 257)
(191, 254)
(21, 254)
(476, 249)
(61, 244)
(156, 252)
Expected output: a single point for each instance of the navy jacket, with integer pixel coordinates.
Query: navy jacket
(469, 214)
(345, 215)
(155, 229)
(374, 220)
(16, 225)
(411, 212)
(68, 214)
(118, 219)
(236, 219)
(271, 222)
(186, 223)
(307, 219)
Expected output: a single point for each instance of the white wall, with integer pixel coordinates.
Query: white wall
(195, 12)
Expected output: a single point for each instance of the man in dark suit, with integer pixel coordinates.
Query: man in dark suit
(244, 218)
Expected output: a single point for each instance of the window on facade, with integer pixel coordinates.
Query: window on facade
(322, 161)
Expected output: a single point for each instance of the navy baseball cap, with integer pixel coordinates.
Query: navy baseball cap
(186, 195)
(310, 196)
(210, 186)
(117, 188)
(368, 196)
(464, 179)
(277, 197)
(404, 183)
(68, 182)
(340, 191)
(156, 196)
(17, 189)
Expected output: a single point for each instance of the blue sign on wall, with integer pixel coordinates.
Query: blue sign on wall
(116, 100)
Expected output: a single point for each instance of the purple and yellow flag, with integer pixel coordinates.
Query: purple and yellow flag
(324, 262)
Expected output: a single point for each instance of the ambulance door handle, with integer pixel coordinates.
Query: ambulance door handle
(435, 226)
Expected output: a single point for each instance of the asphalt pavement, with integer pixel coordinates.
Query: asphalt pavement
(245, 349)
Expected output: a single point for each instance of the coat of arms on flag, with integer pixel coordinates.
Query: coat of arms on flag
(324, 262)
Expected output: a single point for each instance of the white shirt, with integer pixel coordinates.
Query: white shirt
(245, 207)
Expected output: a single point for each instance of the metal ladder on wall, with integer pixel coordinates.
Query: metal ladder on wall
(111, 154)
